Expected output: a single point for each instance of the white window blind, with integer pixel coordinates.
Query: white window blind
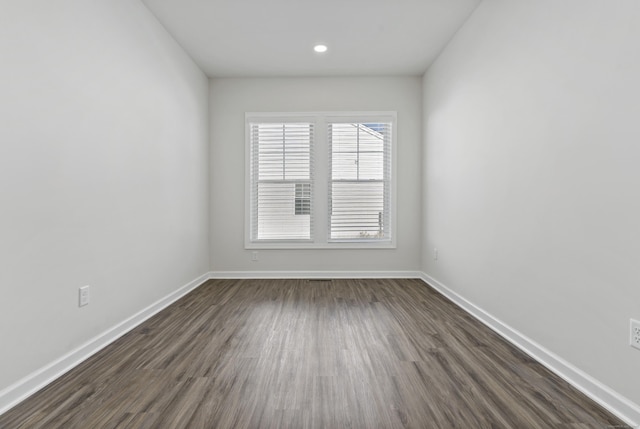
(360, 181)
(281, 181)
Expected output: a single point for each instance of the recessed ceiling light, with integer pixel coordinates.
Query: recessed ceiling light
(320, 48)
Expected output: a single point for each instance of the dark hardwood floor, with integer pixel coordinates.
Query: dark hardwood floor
(310, 354)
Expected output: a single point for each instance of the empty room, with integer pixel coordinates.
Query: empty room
(319, 214)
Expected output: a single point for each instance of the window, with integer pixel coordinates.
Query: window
(319, 180)
(360, 180)
(280, 179)
(303, 199)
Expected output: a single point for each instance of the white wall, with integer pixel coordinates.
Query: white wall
(532, 177)
(231, 98)
(103, 172)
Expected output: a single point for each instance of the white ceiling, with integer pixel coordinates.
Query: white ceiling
(276, 37)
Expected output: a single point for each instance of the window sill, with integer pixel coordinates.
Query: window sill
(320, 246)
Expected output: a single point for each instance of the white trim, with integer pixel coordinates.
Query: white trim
(284, 245)
(594, 389)
(345, 115)
(315, 275)
(27, 386)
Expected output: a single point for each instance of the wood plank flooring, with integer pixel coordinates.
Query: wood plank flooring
(310, 354)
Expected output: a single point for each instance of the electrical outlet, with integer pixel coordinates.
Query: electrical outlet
(254, 256)
(634, 335)
(83, 296)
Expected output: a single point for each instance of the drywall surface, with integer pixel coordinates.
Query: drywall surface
(231, 98)
(531, 183)
(103, 173)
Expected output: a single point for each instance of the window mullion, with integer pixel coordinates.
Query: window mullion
(320, 187)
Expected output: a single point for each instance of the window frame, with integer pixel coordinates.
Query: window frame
(321, 178)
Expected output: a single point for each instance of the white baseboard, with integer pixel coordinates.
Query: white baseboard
(27, 386)
(603, 395)
(315, 275)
